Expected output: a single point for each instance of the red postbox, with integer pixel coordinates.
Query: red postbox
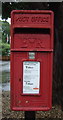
(31, 60)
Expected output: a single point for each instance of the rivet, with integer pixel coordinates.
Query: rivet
(27, 101)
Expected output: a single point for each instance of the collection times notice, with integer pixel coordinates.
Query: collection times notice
(31, 77)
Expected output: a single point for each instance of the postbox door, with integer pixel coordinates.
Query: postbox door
(41, 99)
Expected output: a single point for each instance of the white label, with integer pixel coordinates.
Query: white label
(31, 77)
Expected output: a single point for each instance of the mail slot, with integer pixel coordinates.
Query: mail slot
(31, 60)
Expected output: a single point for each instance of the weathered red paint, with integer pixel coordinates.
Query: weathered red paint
(31, 30)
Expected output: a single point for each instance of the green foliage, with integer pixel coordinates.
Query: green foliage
(0, 30)
(6, 27)
(5, 30)
(4, 49)
(3, 37)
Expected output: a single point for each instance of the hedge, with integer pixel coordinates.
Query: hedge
(4, 49)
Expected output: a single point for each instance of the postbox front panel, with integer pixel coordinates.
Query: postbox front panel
(31, 100)
(31, 60)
